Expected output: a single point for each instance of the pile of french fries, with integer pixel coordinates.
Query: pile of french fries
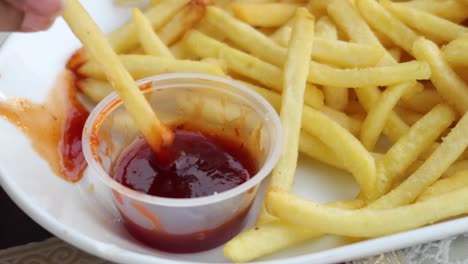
(342, 74)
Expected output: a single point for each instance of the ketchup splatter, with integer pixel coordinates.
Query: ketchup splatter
(196, 164)
(54, 127)
(70, 145)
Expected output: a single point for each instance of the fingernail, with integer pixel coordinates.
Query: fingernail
(33, 22)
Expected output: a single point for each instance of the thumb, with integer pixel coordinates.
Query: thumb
(10, 17)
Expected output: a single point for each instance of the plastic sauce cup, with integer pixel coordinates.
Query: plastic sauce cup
(187, 224)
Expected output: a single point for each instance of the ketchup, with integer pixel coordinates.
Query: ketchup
(197, 164)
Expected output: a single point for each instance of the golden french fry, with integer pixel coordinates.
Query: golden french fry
(456, 167)
(309, 145)
(409, 116)
(452, 10)
(456, 52)
(316, 149)
(433, 27)
(292, 100)
(282, 35)
(335, 97)
(94, 89)
(377, 116)
(350, 21)
(453, 182)
(264, 15)
(318, 8)
(423, 101)
(313, 96)
(274, 236)
(142, 66)
(181, 52)
(237, 61)
(98, 47)
(324, 28)
(450, 86)
(448, 151)
(184, 20)
(382, 20)
(396, 53)
(295, 77)
(150, 42)
(365, 222)
(125, 38)
(347, 148)
(335, 52)
(353, 125)
(372, 76)
(405, 151)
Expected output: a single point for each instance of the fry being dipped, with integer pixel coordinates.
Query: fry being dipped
(96, 44)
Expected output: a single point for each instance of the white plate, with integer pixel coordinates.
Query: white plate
(29, 64)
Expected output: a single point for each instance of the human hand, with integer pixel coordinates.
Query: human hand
(28, 15)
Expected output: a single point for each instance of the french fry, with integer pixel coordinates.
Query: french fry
(353, 125)
(456, 52)
(272, 237)
(94, 89)
(382, 20)
(313, 96)
(365, 222)
(348, 149)
(450, 86)
(237, 61)
(452, 10)
(181, 52)
(264, 15)
(248, 38)
(454, 182)
(396, 53)
(125, 38)
(409, 116)
(96, 44)
(405, 151)
(292, 100)
(270, 75)
(335, 97)
(325, 28)
(316, 149)
(423, 101)
(348, 19)
(448, 151)
(183, 20)
(150, 42)
(282, 35)
(141, 66)
(377, 116)
(309, 145)
(295, 77)
(433, 27)
(318, 8)
(456, 167)
(372, 76)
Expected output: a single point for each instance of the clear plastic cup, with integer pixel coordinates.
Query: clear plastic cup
(222, 105)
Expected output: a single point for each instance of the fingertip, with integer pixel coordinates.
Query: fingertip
(45, 7)
(33, 22)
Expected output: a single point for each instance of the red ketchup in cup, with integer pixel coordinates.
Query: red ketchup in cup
(197, 164)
